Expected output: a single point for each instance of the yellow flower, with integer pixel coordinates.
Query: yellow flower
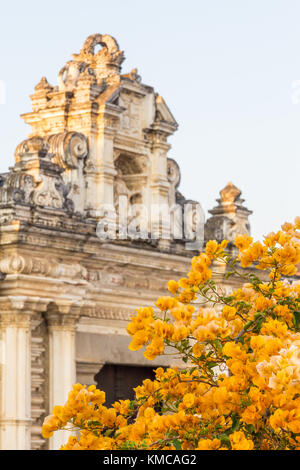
(173, 286)
(239, 441)
(229, 313)
(274, 327)
(149, 414)
(279, 420)
(155, 348)
(166, 303)
(51, 423)
(208, 444)
(242, 362)
(122, 406)
(211, 248)
(242, 242)
(198, 349)
(250, 415)
(188, 400)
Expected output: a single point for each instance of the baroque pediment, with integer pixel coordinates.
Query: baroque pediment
(99, 135)
(163, 112)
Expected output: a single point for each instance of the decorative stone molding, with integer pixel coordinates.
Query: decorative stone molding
(116, 313)
(36, 178)
(127, 279)
(48, 195)
(25, 264)
(17, 188)
(39, 379)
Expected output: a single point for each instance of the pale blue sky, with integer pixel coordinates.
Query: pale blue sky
(225, 67)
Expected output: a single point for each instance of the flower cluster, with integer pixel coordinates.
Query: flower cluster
(239, 385)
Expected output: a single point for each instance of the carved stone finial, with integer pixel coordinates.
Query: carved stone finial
(133, 76)
(92, 66)
(229, 217)
(43, 85)
(108, 42)
(230, 193)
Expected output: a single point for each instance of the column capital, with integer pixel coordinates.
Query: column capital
(57, 321)
(18, 310)
(62, 316)
(22, 303)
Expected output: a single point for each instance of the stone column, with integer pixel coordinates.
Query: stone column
(15, 391)
(62, 363)
(100, 171)
(159, 187)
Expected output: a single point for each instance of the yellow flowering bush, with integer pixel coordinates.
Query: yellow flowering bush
(239, 386)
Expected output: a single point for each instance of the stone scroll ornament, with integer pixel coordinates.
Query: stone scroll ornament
(68, 148)
(37, 175)
(173, 172)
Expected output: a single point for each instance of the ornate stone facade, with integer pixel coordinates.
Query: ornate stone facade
(65, 294)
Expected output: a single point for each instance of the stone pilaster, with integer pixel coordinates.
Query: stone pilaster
(15, 385)
(62, 364)
(159, 187)
(100, 171)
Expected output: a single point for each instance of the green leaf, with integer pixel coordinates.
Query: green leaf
(297, 319)
(211, 364)
(224, 439)
(94, 423)
(248, 324)
(227, 275)
(177, 444)
(218, 345)
(235, 422)
(250, 428)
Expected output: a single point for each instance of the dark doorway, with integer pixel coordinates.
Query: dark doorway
(118, 381)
